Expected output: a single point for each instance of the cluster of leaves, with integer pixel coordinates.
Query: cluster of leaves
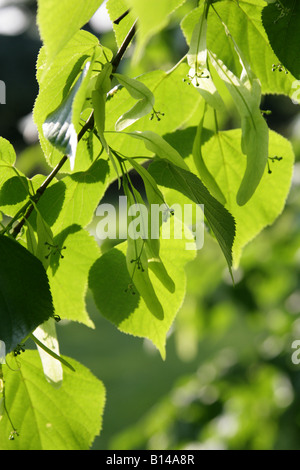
(95, 126)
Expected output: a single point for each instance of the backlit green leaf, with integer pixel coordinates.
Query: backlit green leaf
(43, 414)
(73, 254)
(59, 21)
(128, 311)
(227, 164)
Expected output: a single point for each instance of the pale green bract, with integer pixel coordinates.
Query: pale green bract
(199, 73)
(2, 352)
(159, 146)
(144, 106)
(46, 333)
(245, 92)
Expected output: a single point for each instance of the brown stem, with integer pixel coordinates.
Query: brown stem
(119, 55)
(118, 20)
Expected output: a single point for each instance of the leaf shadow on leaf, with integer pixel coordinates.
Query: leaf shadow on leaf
(67, 90)
(96, 173)
(14, 190)
(60, 245)
(87, 145)
(110, 284)
(183, 139)
(50, 204)
(77, 68)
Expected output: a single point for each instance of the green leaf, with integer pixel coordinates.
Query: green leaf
(74, 199)
(44, 240)
(227, 165)
(102, 87)
(245, 92)
(68, 273)
(55, 81)
(14, 188)
(168, 89)
(25, 298)
(116, 301)
(152, 245)
(220, 220)
(47, 418)
(255, 143)
(115, 9)
(199, 73)
(140, 92)
(136, 256)
(203, 172)
(99, 96)
(282, 25)
(7, 152)
(59, 22)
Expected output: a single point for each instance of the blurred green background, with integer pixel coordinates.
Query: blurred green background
(228, 381)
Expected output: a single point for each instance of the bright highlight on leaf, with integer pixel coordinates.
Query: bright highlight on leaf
(2, 352)
(59, 128)
(46, 334)
(55, 82)
(199, 73)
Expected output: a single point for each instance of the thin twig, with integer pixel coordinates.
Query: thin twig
(118, 20)
(119, 55)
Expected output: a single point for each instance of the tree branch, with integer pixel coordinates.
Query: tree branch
(119, 55)
(88, 125)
